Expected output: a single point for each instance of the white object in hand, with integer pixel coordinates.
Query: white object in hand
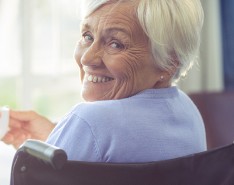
(4, 121)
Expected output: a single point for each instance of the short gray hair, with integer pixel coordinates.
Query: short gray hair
(172, 26)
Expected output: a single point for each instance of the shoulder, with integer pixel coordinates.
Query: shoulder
(150, 98)
(96, 109)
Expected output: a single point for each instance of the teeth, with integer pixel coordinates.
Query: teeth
(90, 78)
(95, 79)
(104, 79)
(98, 79)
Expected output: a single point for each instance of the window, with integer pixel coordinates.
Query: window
(37, 68)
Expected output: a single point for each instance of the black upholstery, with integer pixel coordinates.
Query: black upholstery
(214, 167)
(217, 110)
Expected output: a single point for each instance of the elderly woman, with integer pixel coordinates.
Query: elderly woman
(129, 54)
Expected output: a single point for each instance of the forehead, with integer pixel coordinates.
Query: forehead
(112, 15)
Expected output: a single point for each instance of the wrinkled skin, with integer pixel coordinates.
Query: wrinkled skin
(113, 46)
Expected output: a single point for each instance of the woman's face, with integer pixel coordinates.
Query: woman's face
(114, 56)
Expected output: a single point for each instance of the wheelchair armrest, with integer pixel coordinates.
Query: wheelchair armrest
(45, 152)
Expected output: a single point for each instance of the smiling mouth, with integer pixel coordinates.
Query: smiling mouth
(98, 79)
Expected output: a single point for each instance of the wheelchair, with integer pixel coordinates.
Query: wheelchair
(38, 163)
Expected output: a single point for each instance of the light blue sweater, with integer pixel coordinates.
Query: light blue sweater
(155, 124)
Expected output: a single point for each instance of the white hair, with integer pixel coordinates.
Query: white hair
(172, 26)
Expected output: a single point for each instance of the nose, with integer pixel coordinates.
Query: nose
(92, 56)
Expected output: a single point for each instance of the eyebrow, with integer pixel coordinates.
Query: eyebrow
(108, 30)
(117, 29)
(85, 26)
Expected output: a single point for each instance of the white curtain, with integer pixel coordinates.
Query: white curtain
(9, 42)
(208, 74)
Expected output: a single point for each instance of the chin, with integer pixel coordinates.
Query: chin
(90, 97)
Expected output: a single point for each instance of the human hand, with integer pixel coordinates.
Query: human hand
(27, 125)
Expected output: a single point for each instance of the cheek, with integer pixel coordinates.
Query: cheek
(130, 64)
(120, 67)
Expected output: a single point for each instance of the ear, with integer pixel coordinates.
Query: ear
(174, 64)
(167, 75)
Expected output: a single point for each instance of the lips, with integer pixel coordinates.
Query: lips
(98, 79)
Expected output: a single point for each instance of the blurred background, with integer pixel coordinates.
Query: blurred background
(37, 69)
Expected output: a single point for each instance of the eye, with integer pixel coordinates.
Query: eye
(87, 37)
(116, 45)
